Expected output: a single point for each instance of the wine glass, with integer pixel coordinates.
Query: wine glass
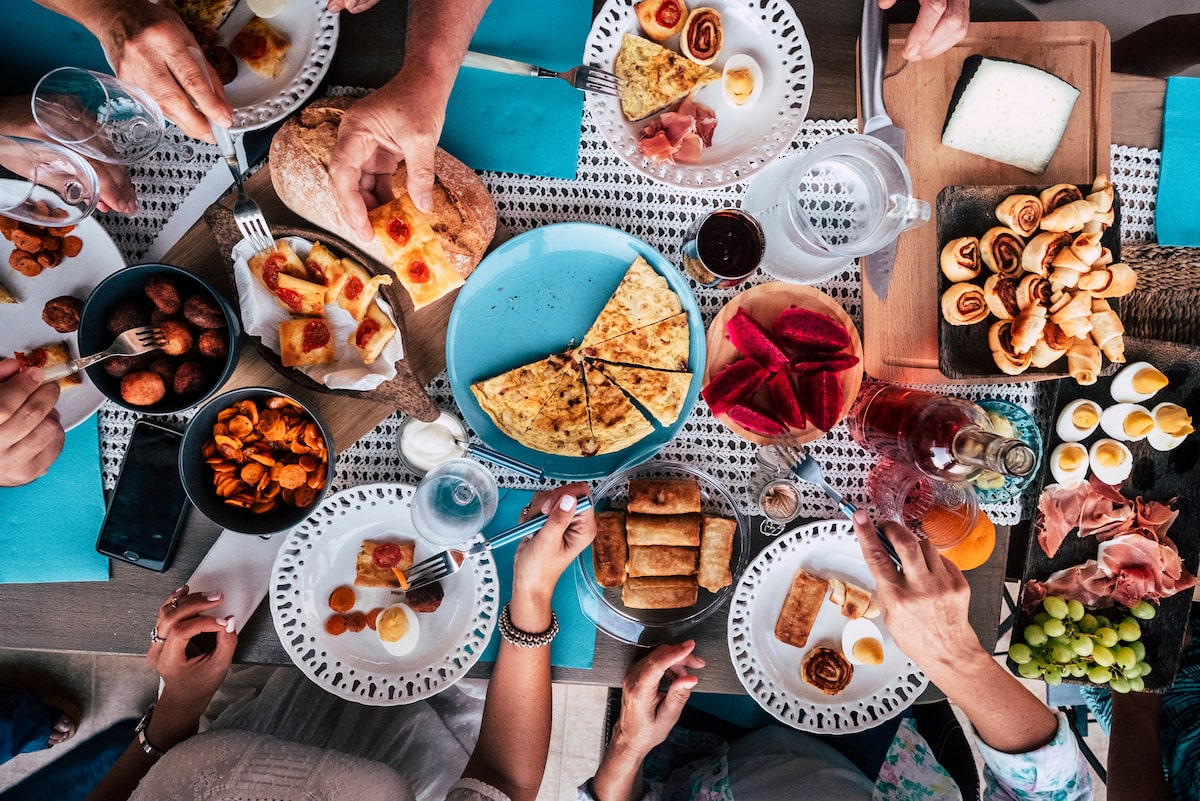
(101, 116)
(44, 183)
(454, 502)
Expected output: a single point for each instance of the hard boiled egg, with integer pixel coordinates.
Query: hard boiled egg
(742, 81)
(1077, 420)
(398, 629)
(1127, 422)
(1069, 462)
(1111, 461)
(1137, 382)
(862, 643)
(1172, 425)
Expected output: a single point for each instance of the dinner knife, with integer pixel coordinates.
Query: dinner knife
(872, 58)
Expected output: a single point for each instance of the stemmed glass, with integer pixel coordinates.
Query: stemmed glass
(101, 116)
(454, 502)
(44, 183)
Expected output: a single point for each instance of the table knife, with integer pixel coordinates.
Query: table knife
(872, 58)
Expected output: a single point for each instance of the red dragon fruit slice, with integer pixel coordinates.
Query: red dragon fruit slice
(821, 362)
(760, 421)
(753, 340)
(820, 394)
(810, 329)
(783, 401)
(732, 383)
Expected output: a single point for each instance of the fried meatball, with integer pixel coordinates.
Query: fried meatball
(62, 313)
(179, 337)
(157, 316)
(425, 599)
(164, 367)
(190, 379)
(143, 388)
(121, 366)
(24, 263)
(164, 293)
(202, 312)
(214, 344)
(126, 314)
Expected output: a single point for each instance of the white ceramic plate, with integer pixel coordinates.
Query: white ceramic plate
(21, 324)
(746, 139)
(257, 101)
(770, 669)
(318, 556)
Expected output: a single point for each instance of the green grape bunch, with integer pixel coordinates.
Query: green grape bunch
(1066, 641)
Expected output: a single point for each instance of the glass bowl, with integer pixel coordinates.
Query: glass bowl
(651, 627)
(1027, 432)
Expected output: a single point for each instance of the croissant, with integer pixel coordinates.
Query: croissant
(1107, 332)
(1000, 248)
(1027, 328)
(1105, 259)
(1000, 294)
(1100, 222)
(1070, 217)
(1058, 195)
(964, 304)
(1083, 361)
(1022, 213)
(1040, 251)
(1051, 347)
(1101, 196)
(1117, 281)
(1087, 247)
(960, 259)
(1069, 260)
(1071, 314)
(1064, 277)
(1007, 359)
(1032, 290)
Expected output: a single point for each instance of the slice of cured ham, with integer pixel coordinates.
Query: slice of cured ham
(679, 135)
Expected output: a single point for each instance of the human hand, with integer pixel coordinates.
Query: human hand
(939, 26)
(31, 434)
(116, 189)
(190, 681)
(541, 559)
(353, 6)
(925, 607)
(647, 712)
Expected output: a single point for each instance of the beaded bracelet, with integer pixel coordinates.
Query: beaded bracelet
(525, 639)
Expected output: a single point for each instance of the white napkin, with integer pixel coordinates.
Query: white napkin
(238, 566)
(262, 314)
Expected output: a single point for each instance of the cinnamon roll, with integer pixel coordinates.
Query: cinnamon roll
(960, 259)
(1000, 294)
(1027, 328)
(827, 670)
(702, 36)
(1022, 213)
(1000, 248)
(1007, 359)
(1033, 290)
(1058, 195)
(1039, 252)
(964, 304)
(1070, 217)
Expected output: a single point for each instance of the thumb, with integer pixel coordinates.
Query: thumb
(420, 178)
(676, 698)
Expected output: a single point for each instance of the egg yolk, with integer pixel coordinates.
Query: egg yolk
(1174, 420)
(1148, 380)
(1085, 416)
(392, 624)
(1109, 455)
(868, 650)
(1071, 458)
(739, 84)
(1138, 424)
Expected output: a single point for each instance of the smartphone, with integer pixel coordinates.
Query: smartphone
(149, 505)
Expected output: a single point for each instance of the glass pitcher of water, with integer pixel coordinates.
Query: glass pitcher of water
(846, 197)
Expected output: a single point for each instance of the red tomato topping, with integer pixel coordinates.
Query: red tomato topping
(399, 231)
(270, 270)
(290, 297)
(668, 14)
(367, 329)
(386, 555)
(35, 358)
(316, 335)
(249, 45)
(316, 273)
(353, 287)
(418, 272)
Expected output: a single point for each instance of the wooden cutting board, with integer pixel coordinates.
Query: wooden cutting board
(900, 335)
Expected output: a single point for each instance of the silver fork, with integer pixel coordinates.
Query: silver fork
(133, 342)
(246, 213)
(807, 469)
(583, 77)
(450, 561)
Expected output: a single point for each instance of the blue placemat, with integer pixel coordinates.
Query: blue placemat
(1175, 211)
(510, 123)
(48, 528)
(35, 40)
(575, 645)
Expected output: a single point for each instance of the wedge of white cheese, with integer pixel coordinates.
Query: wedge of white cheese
(1008, 112)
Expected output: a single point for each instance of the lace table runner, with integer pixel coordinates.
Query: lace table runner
(609, 192)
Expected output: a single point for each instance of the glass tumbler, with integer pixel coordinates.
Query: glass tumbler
(45, 184)
(943, 512)
(454, 502)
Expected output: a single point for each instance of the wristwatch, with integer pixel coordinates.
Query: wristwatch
(140, 730)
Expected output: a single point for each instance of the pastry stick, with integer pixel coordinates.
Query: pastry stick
(800, 609)
(660, 592)
(608, 549)
(657, 496)
(716, 551)
(663, 529)
(663, 560)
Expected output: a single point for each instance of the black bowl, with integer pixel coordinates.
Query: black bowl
(198, 476)
(129, 284)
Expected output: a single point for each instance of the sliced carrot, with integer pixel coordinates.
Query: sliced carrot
(400, 577)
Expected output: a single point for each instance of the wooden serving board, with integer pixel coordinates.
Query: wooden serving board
(900, 335)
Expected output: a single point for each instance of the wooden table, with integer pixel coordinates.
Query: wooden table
(115, 616)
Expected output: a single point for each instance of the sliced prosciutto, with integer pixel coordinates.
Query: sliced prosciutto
(1095, 508)
(679, 135)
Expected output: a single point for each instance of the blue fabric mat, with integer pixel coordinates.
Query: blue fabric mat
(1175, 213)
(35, 40)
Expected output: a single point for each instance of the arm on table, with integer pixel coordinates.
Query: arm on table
(1135, 765)
(514, 736)
(402, 120)
(31, 436)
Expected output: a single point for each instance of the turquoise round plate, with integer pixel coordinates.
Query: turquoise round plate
(538, 294)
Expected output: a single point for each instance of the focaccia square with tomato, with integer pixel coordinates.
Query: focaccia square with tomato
(373, 333)
(369, 574)
(262, 47)
(300, 296)
(325, 269)
(267, 265)
(359, 288)
(305, 341)
(49, 355)
(414, 251)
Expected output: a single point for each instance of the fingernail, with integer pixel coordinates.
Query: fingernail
(425, 202)
(566, 503)
(213, 596)
(181, 589)
(546, 506)
(860, 518)
(229, 623)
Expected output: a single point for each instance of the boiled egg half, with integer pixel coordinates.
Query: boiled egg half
(1172, 425)
(398, 629)
(1069, 462)
(742, 81)
(1077, 420)
(1137, 382)
(1127, 422)
(1111, 461)
(862, 643)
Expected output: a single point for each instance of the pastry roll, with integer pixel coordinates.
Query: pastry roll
(1087, 247)
(800, 609)
(1101, 196)
(1007, 359)
(1051, 347)
(1022, 213)
(702, 36)
(663, 529)
(960, 259)
(826, 669)
(964, 304)
(716, 552)
(1040, 251)
(1027, 328)
(854, 600)
(1105, 258)
(1117, 281)
(1108, 333)
(664, 496)
(1072, 314)
(609, 550)
(1058, 195)
(663, 560)
(660, 592)
(1000, 249)
(1071, 217)
(1064, 278)
(1083, 361)
(1000, 294)
(1068, 259)
(661, 19)
(1033, 290)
